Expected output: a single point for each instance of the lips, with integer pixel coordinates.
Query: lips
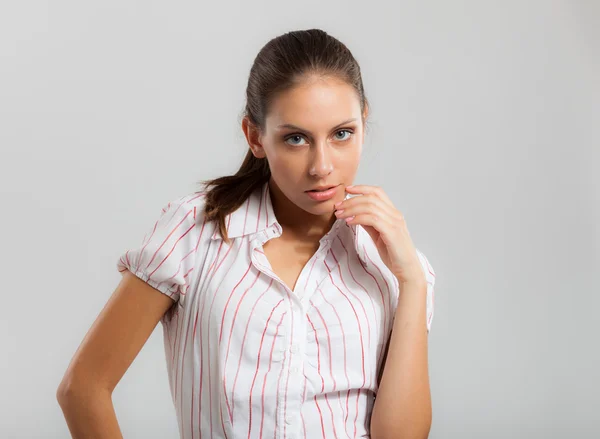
(321, 189)
(322, 194)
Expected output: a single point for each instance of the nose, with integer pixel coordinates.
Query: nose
(321, 164)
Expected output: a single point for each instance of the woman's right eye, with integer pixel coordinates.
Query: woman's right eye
(295, 136)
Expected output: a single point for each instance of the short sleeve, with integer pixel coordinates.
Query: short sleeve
(430, 278)
(165, 259)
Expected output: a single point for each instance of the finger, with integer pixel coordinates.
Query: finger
(370, 219)
(379, 215)
(370, 202)
(370, 189)
(360, 208)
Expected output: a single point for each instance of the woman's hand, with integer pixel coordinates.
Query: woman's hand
(386, 225)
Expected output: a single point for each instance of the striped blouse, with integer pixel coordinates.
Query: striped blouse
(246, 355)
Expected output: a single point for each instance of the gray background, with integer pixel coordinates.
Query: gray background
(485, 132)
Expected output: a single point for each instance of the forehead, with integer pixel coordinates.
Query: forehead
(319, 102)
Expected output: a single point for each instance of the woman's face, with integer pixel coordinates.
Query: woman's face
(322, 148)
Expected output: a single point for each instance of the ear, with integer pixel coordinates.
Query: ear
(253, 137)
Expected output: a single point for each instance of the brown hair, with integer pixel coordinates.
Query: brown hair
(283, 63)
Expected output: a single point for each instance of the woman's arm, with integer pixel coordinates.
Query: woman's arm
(402, 408)
(108, 349)
(90, 415)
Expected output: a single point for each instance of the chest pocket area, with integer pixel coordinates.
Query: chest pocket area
(338, 356)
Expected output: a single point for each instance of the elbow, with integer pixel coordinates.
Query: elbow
(63, 391)
(78, 388)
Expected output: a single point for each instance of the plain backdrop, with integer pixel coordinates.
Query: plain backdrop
(484, 131)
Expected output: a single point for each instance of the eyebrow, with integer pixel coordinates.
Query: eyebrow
(294, 127)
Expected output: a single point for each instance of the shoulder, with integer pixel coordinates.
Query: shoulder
(179, 226)
(172, 248)
(171, 216)
(187, 209)
(191, 203)
(186, 215)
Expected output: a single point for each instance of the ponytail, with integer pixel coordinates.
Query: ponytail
(229, 192)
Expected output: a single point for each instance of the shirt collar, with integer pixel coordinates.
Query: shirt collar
(256, 215)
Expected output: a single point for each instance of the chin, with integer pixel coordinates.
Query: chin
(323, 209)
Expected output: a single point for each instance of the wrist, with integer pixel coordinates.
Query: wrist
(411, 273)
(416, 282)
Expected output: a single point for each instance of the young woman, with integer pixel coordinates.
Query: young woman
(293, 304)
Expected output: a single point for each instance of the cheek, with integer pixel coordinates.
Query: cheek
(285, 171)
(349, 158)
(276, 157)
(285, 163)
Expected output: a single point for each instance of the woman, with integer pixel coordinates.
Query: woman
(289, 299)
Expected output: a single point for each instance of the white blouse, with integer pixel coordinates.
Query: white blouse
(246, 355)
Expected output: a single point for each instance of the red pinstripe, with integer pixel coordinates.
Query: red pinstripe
(229, 341)
(165, 241)
(356, 297)
(343, 342)
(262, 339)
(362, 347)
(287, 380)
(209, 338)
(262, 413)
(278, 387)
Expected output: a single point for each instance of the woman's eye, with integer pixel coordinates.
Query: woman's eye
(295, 136)
(345, 131)
(298, 136)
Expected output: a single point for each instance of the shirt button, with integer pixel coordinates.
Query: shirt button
(295, 370)
(289, 420)
(294, 348)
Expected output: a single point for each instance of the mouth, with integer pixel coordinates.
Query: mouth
(322, 193)
(322, 189)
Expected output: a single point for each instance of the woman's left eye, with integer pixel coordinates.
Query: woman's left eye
(345, 131)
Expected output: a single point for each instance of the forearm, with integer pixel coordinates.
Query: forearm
(90, 415)
(402, 408)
